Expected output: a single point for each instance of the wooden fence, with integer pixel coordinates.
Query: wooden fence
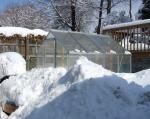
(26, 46)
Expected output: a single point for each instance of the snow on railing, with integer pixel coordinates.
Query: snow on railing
(128, 24)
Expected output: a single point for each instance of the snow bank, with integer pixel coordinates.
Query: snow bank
(9, 31)
(141, 78)
(87, 91)
(30, 89)
(11, 63)
(3, 115)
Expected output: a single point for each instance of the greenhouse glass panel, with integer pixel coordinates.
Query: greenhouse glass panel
(84, 41)
(63, 48)
(67, 41)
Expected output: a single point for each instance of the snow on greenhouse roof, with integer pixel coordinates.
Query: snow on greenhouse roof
(10, 31)
(85, 42)
(139, 22)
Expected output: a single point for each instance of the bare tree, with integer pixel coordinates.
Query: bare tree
(105, 7)
(67, 14)
(71, 7)
(73, 15)
(130, 9)
(129, 2)
(100, 17)
(24, 16)
(109, 2)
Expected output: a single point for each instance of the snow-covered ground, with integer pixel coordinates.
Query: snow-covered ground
(141, 78)
(87, 91)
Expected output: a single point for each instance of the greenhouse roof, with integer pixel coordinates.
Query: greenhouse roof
(86, 42)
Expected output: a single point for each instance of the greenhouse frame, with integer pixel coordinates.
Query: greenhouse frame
(63, 48)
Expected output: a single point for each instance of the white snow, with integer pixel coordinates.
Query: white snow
(141, 78)
(87, 91)
(76, 51)
(126, 24)
(9, 31)
(133, 46)
(3, 115)
(97, 52)
(112, 52)
(127, 52)
(11, 63)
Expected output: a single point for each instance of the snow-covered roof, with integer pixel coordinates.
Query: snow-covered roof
(10, 31)
(115, 26)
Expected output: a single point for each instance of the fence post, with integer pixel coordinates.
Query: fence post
(27, 50)
(17, 46)
(55, 55)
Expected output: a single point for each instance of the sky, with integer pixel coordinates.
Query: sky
(5, 3)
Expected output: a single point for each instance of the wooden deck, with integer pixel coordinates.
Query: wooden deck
(140, 55)
(134, 37)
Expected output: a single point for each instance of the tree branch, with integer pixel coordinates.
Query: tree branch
(57, 12)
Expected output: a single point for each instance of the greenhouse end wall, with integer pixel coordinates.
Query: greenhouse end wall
(113, 62)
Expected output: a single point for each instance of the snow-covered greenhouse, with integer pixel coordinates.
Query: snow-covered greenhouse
(63, 48)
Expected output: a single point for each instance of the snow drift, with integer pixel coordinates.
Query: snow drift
(87, 91)
(11, 63)
(141, 78)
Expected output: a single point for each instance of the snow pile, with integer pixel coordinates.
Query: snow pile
(3, 115)
(11, 63)
(26, 88)
(141, 78)
(9, 31)
(84, 69)
(31, 88)
(87, 91)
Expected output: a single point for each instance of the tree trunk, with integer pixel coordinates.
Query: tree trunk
(108, 6)
(100, 17)
(73, 15)
(130, 8)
